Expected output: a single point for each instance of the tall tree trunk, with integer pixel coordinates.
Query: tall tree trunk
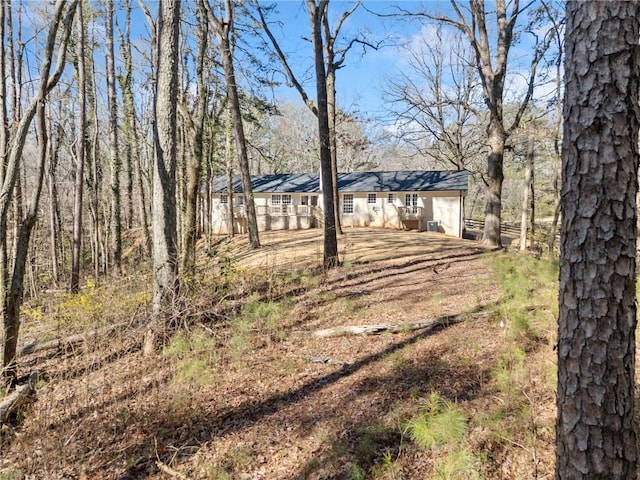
(116, 163)
(228, 152)
(76, 252)
(165, 242)
(4, 139)
(595, 429)
(196, 158)
(316, 13)
(54, 204)
(495, 177)
(132, 140)
(11, 319)
(333, 144)
(526, 190)
(224, 30)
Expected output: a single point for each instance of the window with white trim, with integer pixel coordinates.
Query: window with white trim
(372, 198)
(224, 198)
(391, 198)
(347, 204)
(411, 201)
(240, 200)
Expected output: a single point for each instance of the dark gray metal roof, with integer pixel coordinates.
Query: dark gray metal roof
(278, 183)
(403, 181)
(395, 181)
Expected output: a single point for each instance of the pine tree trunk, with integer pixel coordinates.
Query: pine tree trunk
(595, 430)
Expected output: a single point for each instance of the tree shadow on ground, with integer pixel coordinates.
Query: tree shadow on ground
(204, 425)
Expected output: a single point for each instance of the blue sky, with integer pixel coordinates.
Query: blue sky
(361, 83)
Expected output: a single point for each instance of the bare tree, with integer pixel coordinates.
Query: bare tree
(195, 125)
(115, 161)
(595, 429)
(491, 60)
(437, 94)
(316, 14)
(80, 157)
(130, 130)
(165, 248)
(224, 27)
(62, 19)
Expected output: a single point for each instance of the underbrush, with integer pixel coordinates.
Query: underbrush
(515, 423)
(462, 408)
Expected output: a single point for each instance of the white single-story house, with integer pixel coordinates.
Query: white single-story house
(423, 200)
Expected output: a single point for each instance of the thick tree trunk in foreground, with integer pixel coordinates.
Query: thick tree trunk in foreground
(596, 337)
(165, 241)
(495, 177)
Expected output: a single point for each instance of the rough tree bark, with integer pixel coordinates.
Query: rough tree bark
(595, 432)
(114, 155)
(80, 160)
(316, 13)
(224, 28)
(195, 126)
(62, 19)
(165, 244)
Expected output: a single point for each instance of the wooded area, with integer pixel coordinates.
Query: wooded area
(117, 116)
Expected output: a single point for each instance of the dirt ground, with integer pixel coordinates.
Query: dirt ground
(286, 404)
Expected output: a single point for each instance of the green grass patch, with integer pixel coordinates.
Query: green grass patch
(528, 305)
(195, 355)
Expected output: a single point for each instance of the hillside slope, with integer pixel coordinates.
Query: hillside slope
(245, 390)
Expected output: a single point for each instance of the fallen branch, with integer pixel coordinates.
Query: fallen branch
(66, 342)
(18, 397)
(170, 471)
(388, 327)
(328, 361)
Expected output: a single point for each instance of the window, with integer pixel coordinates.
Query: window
(279, 203)
(347, 203)
(391, 198)
(371, 198)
(240, 200)
(304, 200)
(411, 201)
(224, 198)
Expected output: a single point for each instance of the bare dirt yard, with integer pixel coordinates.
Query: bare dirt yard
(245, 390)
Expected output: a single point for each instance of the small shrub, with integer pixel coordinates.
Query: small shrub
(460, 464)
(196, 357)
(439, 422)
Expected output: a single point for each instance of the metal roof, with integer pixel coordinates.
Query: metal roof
(394, 181)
